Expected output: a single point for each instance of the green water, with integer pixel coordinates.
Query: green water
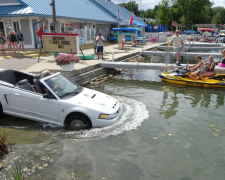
(166, 133)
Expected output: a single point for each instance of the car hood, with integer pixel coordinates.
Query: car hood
(95, 100)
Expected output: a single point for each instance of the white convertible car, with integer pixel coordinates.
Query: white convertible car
(61, 101)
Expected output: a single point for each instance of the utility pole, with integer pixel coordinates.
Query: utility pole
(171, 23)
(54, 14)
(140, 8)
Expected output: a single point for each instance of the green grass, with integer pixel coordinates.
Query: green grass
(148, 59)
(17, 172)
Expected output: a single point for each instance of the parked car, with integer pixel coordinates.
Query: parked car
(61, 101)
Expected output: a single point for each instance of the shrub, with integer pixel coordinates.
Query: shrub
(64, 59)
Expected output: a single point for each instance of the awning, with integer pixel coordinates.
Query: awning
(126, 29)
(189, 32)
(140, 24)
(206, 29)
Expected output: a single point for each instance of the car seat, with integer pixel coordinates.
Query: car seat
(8, 76)
(37, 85)
(25, 85)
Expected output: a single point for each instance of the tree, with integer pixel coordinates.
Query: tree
(122, 5)
(163, 12)
(217, 13)
(149, 13)
(191, 10)
(131, 6)
(217, 19)
(156, 9)
(142, 13)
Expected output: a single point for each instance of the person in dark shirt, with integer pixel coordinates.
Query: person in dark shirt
(2, 44)
(20, 38)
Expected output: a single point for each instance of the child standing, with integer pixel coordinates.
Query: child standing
(20, 38)
(9, 44)
(2, 44)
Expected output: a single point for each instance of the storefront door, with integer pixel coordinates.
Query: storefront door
(16, 26)
(2, 28)
(90, 33)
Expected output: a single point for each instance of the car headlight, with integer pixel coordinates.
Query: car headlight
(107, 116)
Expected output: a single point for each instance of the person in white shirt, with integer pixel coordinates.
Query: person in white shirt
(178, 45)
(100, 40)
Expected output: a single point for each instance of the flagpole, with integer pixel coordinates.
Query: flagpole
(132, 20)
(118, 18)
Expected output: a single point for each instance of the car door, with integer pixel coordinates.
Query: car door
(32, 105)
(5, 89)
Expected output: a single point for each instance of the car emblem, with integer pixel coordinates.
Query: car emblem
(62, 110)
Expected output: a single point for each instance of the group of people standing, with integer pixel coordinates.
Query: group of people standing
(12, 39)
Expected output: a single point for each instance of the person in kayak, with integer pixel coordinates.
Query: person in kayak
(209, 68)
(200, 68)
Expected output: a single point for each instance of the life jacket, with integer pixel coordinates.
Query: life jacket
(202, 67)
(209, 66)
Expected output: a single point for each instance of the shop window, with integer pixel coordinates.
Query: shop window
(16, 27)
(62, 28)
(52, 29)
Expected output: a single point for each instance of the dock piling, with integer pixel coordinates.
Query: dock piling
(113, 56)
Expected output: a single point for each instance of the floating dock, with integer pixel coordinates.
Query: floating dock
(194, 48)
(153, 66)
(183, 54)
(202, 44)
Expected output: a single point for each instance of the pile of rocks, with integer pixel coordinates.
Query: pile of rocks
(141, 59)
(110, 75)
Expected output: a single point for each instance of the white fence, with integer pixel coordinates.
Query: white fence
(160, 36)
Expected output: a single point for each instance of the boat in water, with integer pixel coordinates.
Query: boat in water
(180, 76)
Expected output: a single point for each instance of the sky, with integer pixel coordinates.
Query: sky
(150, 4)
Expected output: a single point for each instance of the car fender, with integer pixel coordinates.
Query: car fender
(91, 114)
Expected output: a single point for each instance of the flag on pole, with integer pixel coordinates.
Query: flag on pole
(131, 18)
(118, 14)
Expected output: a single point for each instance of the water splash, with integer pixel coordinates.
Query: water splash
(134, 113)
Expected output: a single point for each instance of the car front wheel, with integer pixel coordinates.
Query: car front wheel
(78, 122)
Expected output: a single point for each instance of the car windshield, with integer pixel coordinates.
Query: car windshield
(62, 86)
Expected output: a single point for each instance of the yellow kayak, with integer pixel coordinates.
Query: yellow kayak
(181, 76)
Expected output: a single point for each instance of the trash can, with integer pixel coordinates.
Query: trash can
(134, 40)
(121, 42)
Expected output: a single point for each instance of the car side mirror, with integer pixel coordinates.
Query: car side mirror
(46, 95)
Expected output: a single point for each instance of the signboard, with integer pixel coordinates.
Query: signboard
(81, 41)
(7, 23)
(40, 33)
(60, 44)
(124, 23)
(75, 27)
(69, 24)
